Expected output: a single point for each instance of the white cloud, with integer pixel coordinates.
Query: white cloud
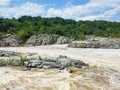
(25, 9)
(93, 10)
(4, 2)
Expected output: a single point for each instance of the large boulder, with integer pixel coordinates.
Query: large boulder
(9, 40)
(45, 39)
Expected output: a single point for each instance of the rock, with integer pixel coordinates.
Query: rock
(61, 62)
(63, 40)
(45, 39)
(7, 53)
(1, 64)
(85, 44)
(64, 61)
(26, 68)
(9, 40)
(97, 42)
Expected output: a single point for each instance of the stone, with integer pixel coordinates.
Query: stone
(45, 39)
(60, 62)
(7, 53)
(42, 39)
(97, 42)
(9, 40)
(27, 69)
(63, 40)
(85, 44)
(15, 62)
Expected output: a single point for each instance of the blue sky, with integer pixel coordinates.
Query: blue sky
(68, 9)
(56, 3)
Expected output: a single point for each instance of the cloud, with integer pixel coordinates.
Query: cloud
(4, 2)
(24, 9)
(93, 10)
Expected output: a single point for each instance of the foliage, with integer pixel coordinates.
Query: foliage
(26, 26)
(23, 59)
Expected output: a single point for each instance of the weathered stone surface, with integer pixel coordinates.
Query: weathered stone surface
(61, 62)
(85, 44)
(15, 62)
(7, 53)
(63, 40)
(45, 39)
(9, 40)
(97, 42)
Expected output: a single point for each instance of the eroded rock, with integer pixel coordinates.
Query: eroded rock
(7, 53)
(9, 40)
(45, 39)
(97, 42)
(61, 62)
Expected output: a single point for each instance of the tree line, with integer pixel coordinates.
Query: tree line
(26, 26)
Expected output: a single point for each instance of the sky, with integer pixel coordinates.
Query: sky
(69, 9)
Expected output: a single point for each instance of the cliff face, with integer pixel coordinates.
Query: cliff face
(97, 42)
(9, 40)
(35, 40)
(45, 39)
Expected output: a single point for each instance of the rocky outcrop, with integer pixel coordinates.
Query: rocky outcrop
(61, 62)
(85, 44)
(45, 39)
(35, 40)
(9, 40)
(63, 40)
(97, 42)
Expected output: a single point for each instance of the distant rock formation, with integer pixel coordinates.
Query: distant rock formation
(9, 40)
(85, 44)
(45, 39)
(97, 42)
